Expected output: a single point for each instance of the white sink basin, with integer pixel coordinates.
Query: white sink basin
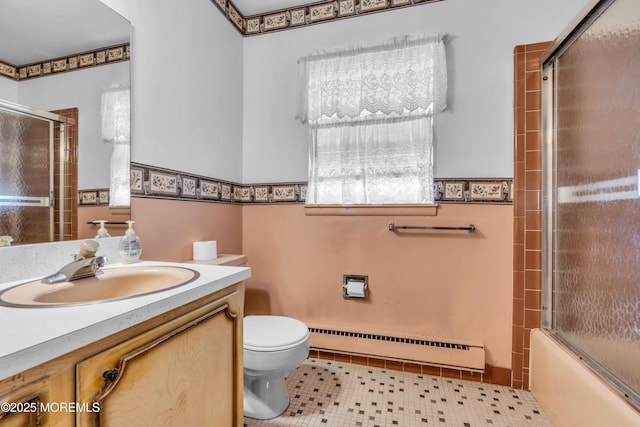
(112, 284)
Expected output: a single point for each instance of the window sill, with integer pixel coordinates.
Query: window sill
(372, 210)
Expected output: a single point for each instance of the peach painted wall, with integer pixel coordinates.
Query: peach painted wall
(168, 228)
(92, 213)
(441, 284)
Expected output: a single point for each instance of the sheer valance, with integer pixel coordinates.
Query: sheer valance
(404, 77)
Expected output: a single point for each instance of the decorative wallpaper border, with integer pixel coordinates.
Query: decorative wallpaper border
(93, 197)
(153, 182)
(102, 56)
(481, 190)
(309, 14)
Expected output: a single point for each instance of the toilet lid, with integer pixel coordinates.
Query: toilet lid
(273, 333)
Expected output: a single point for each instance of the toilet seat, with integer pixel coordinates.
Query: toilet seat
(273, 333)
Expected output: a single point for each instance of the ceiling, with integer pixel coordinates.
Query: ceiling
(37, 30)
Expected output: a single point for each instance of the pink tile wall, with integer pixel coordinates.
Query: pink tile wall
(527, 209)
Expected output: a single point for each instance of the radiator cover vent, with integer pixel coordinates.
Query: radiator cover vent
(455, 346)
(445, 353)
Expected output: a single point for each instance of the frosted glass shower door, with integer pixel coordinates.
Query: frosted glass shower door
(26, 179)
(596, 280)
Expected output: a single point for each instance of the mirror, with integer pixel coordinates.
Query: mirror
(34, 36)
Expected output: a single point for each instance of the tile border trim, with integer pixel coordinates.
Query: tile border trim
(491, 374)
(161, 183)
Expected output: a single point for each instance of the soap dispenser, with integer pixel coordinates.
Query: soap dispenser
(130, 246)
(102, 231)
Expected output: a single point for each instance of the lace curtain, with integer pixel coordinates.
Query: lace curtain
(373, 163)
(116, 122)
(370, 116)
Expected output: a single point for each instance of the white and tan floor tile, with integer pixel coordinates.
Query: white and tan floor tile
(329, 393)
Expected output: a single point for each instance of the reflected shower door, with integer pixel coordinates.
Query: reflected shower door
(26, 179)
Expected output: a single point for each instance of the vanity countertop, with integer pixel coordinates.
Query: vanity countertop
(31, 336)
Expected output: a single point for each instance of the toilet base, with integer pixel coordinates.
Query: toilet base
(264, 397)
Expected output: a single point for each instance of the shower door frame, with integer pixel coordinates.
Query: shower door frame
(549, 135)
(52, 118)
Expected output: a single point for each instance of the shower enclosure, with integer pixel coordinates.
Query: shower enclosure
(591, 189)
(29, 193)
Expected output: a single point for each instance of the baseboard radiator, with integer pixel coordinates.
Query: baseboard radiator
(454, 354)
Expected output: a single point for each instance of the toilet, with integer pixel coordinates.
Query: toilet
(272, 347)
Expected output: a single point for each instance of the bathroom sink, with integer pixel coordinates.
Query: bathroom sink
(113, 284)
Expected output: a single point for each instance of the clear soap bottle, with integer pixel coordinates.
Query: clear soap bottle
(130, 247)
(102, 231)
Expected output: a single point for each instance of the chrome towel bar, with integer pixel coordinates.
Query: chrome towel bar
(470, 228)
(108, 222)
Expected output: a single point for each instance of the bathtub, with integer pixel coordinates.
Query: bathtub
(568, 390)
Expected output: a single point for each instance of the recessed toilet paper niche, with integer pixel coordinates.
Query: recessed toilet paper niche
(355, 286)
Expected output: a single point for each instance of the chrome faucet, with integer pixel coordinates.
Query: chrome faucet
(78, 269)
(84, 265)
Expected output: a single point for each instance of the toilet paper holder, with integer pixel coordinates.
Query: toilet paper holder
(355, 286)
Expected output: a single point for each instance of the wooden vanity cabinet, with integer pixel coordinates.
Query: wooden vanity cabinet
(182, 373)
(25, 405)
(183, 368)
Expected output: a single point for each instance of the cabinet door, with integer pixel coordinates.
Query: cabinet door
(24, 407)
(184, 373)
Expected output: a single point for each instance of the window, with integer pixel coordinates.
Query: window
(116, 130)
(370, 113)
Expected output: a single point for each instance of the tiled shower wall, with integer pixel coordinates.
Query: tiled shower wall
(527, 205)
(71, 175)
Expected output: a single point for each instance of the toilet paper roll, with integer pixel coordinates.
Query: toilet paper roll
(355, 289)
(203, 251)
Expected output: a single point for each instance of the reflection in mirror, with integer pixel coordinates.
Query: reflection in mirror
(63, 56)
(30, 178)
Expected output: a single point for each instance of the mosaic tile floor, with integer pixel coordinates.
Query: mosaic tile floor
(328, 393)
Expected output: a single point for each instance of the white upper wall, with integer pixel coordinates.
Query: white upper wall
(474, 136)
(186, 72)
(8, 89)
(82, 89)
(207, 101)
